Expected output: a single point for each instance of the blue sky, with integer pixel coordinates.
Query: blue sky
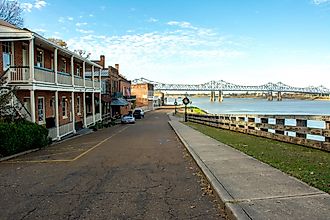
(248, 42)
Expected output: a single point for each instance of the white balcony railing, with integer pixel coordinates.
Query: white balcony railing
(78, 81)
(89, 120)
(62, 78)
(19, 74)
(66, 129)
(52, 133)
(97, 85)
(89, 83)
(97, 117)
(44, 75)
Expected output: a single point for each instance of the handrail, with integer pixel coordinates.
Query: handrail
(276, 127)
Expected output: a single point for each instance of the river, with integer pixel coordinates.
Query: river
(260, 106)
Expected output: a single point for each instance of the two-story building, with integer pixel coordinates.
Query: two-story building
(116, 89)
(50, 81)
(144, 93)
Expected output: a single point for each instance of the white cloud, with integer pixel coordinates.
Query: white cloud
(182, 24)
(79, 24)
(162, 55)
(70, 18)
(84, 31)
(319, 2)
(152, 20)
(38, 4)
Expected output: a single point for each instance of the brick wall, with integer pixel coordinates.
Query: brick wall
(141, 93)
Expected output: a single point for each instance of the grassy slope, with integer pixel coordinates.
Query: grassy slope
(309, 165)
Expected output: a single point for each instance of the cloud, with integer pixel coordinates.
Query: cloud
(38, 4)
(152, 20)
(84, 31)
(79, 24)
(182, 24)
(70, 18)
(159, 55)
(320, 2)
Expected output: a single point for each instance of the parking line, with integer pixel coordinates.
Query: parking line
(70, 160)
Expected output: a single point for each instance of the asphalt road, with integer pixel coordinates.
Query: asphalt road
(138, 171)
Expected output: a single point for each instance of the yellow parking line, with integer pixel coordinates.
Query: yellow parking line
(70, 160)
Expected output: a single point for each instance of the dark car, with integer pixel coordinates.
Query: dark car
(138, 113)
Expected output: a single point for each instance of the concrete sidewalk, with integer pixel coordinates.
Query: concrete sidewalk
(248, 188)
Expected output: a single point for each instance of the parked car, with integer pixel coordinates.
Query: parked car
(138, 113)
(128, 119)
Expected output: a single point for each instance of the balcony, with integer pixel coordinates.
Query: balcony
(20, 74)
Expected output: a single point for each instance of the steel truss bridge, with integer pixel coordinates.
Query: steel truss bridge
(226, 86)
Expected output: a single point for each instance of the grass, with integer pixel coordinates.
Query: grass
(307, 164)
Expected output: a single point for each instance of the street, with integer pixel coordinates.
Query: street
(138, 171)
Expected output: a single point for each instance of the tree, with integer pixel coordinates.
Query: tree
(82, 53)
(59, 42)
(11, 11)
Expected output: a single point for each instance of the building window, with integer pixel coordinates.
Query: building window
(63, 65)
(40, 58)
(6, 55)
(64, 107)
(78, 70)
(78, 106)
(41, 110)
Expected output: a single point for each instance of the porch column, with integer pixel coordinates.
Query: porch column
(93, 107)
(33, 106)
(55, 65)
(57, 116)
(100, 105)
(72, 71)
(93, 76)
(84, 98)
(100, 77)
(73, 112)
(31, 59)
(84, 70)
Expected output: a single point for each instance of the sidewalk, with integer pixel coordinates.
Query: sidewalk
(248, 188)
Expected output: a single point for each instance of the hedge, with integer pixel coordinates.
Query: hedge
(20, 136)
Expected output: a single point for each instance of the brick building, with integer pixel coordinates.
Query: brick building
(144, 95)
(50, 81)
(116, 89)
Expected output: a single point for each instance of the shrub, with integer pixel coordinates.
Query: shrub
(20, 136)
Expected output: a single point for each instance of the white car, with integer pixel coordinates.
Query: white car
(128, 119)
(138, 113)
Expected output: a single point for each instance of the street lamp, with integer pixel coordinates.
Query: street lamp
(185, 101)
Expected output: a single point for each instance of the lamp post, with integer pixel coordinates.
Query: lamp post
(175, 104)
(185, 101)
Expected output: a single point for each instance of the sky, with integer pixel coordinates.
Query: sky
(246, 42)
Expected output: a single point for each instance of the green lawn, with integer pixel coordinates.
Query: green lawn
(309, 165)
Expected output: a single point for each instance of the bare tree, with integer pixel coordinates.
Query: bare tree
(59, 42)
(11, 11)
(83, 53)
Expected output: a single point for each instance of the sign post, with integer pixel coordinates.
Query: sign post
(185, 101)
(175, 104)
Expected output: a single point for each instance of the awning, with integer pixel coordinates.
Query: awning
(118, 102)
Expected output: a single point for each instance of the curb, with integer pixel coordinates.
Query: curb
(18, 154)
(232, 211)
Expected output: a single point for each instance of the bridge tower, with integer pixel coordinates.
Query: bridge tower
(279, 96)
(270, 96)
(212, 97)
(220, 97)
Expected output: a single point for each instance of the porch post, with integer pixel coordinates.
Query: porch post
(84, 98)
(100, 106)
(31, 58)
(93, 76)
(57, 116)
(73, 112)
(93, 107)
(33, 106)
(84, 70)
(72, 71)
(55, 65)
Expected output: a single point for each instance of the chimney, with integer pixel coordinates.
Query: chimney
(102, 61)
(117, 67)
